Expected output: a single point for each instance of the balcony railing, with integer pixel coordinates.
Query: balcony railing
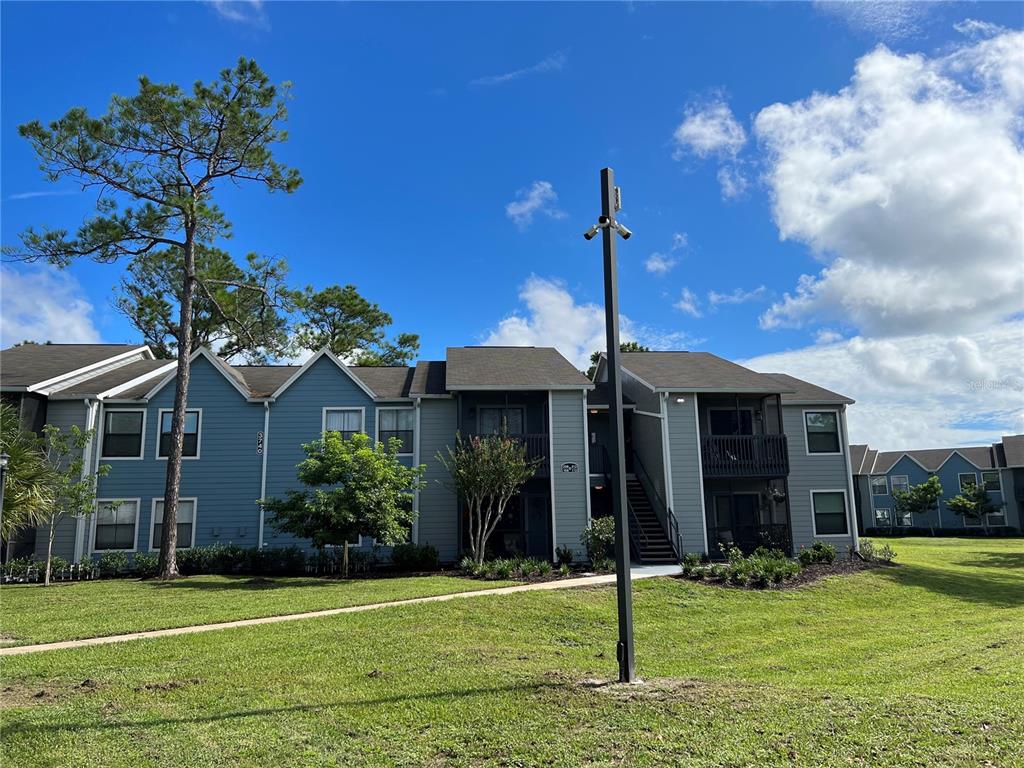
(536, 448)
(744, 456)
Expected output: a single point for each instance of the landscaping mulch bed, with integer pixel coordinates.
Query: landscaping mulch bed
(841, 567)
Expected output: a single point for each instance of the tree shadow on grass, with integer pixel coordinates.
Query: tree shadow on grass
(32, 729)
(248, 583)
(1003, 560)
(999, 589)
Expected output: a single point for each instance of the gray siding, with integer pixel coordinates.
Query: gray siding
(643, 397)
(813, 472)
(438, 510)
(64, 414)
(570, 489)
(684, 458)
(647, 444)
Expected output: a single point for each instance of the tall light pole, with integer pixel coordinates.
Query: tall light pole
(606, 224)
(4, 458)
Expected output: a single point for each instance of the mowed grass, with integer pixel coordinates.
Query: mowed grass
(916, 665)
(31, 613)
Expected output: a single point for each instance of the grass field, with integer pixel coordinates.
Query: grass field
(916, 665)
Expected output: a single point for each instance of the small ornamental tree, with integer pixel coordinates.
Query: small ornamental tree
(28, 483)
(352, 487)
(486, 472)
(973, 503)
(919, 499)
(73, 487)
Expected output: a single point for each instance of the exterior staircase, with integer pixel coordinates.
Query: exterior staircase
(650, 544)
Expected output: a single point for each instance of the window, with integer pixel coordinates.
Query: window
(186, 523)
(900, 483)
(115, 525)
(494, 421)
(879, 486)
(347, 421)
(883, 518)
(906, 520)
(991, 481)
(997, 518)
(122, 434)
(829, 513)
(190, 440)
(822, 431)
(723, 421)
(967, 479)
(972, 522)
(398, 423)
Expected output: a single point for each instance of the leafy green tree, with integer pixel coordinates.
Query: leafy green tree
(155, 161)
(625, 346)
(352, 327)
(352, 487)
(228, 315)
(973, 503)
(29, 478)
(918, 499)
(486, 472)
(73, 487)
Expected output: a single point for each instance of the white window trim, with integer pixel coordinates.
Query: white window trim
(961, 475)
(888, 511)
(999, 479)
(142, 441)
(195, 518)
(972, 522)
(360, 408)
(397, 408)
(892, 481)
(846, 514)
(199, 433)
(92, 528)
(839, 432)
(871, 484)
(1001, 513)
(707, 418)
(897, 516)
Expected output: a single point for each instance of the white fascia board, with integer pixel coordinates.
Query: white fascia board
(53, 384)
(520, 388)
(217, 363)
(136, 381)
(325, 352)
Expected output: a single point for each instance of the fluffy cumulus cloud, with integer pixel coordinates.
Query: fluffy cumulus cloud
(539, 198)
(688, 303)
(928, 390)
(553, 318)
(709, 129)
(43, 304)
(909, 185)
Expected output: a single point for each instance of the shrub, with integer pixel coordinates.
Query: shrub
(564, 570)
(58, 564)
(819, 552)
(603, 565)
(502, 568)
(718, 571)
(145, 564)
(470, 567)
(690, 562)
(414, 557)
(544, 568)
(361, 560)
(599, 539)
(872, 554)
(563, 555)
(113, 563)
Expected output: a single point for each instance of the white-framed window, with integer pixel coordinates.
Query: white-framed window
(115, 525)
(883, 517)
(186, 523)
(967, 479)
(123, 433)
(906, 520)
(996, 519)
(828, 513)
(346, 421)
(190, 440)
(821, 433)
(879, 485)
(972, 522)
(899, 483)
(990, 480)
(399, 423)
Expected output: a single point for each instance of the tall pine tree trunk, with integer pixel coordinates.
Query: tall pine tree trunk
(168, 564)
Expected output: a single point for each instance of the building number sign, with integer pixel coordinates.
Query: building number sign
(259, 443)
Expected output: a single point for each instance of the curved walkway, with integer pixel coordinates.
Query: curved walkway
(637, 572)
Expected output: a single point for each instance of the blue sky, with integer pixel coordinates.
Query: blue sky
(416, 127)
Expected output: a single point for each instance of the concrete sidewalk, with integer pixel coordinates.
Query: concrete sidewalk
(636, 572)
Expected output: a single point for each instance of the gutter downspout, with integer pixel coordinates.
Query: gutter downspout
(849, 485)
(90, 464)
(263, 473)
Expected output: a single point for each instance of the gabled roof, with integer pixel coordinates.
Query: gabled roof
(262, 380)
(804, 393)
(387, 382)
(233, 377)
(857, 455)
(139, 373)
(429, 378)
(39, 365)
(697, 372)
(932, 459)
(298, 373)
(598, 397)
(1013, 449)
(472, 368)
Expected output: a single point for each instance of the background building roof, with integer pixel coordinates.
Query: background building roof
(511, 368)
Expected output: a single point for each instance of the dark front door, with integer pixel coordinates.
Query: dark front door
(538, 526)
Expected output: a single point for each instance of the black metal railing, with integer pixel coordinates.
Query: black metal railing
(661, 508)
(637, 537)
(536, 445)
(744, 456)
(749, 537)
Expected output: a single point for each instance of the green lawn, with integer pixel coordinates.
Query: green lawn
(31, 613)
(916, 665)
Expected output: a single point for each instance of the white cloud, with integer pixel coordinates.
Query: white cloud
(539, 197)
(738, 296)
(553, 63)
(709, 129)
(827, 336)
(659, 263)
(44, 193)
(679, 240)
(248, 12)
(887, 19)
(43, 304)
(909, 184)
(553, 318)
(688, 303)
(732, 181)
(920, 391)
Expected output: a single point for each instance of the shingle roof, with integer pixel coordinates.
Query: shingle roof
(805, 392)
(429, 378)
(511, 368)
(857, 456)
(697, 372)
(385, 381)
(1013, 448)
(30, 364)
(598, 396)
(933, 458)
(263, 380)
(122, 375)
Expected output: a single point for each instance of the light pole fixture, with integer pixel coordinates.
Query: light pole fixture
(611, 202)
(4, 458)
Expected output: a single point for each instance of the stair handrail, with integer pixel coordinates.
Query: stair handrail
(634, 523)
(661, 509)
